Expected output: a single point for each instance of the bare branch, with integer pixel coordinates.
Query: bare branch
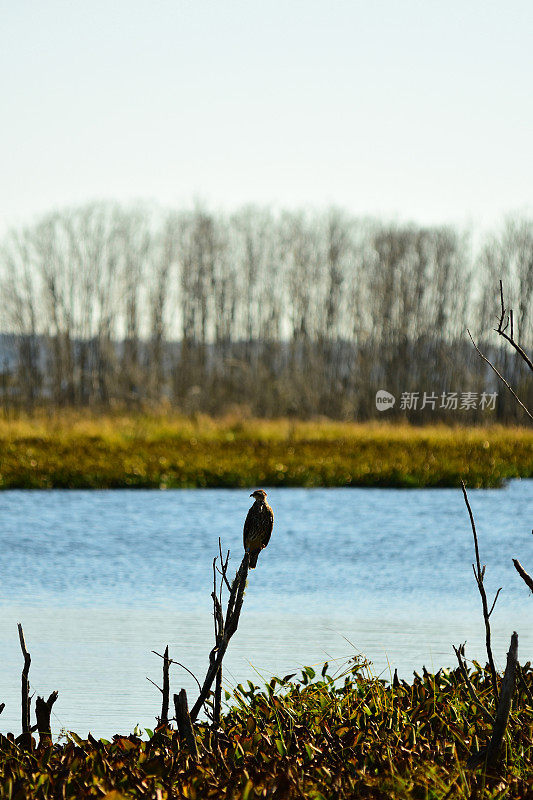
(523, 574)
(166, 688)
(179, 664)
(494, 603)
(224, 565)
(501, 330)
(232, 620)
(500, 376)
(26, 728)
(154, 684)
(479, 580)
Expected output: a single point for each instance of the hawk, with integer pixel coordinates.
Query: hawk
(258, 526)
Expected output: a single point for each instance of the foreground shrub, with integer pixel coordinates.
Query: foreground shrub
(346, 735)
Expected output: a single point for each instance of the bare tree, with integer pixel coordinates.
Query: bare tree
(295, 313)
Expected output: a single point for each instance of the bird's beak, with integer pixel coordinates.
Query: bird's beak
(252, 494)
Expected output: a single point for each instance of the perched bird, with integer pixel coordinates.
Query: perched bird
(258, 526)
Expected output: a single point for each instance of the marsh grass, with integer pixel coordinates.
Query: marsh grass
(167, 451)
(343, 734)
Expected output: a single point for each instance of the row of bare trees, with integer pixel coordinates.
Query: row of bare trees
(273, 313)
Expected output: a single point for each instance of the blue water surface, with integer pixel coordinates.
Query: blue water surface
(99, 579)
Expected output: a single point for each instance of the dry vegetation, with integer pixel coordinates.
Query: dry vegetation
(73, 450)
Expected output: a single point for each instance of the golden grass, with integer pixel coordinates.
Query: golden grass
(75, 449)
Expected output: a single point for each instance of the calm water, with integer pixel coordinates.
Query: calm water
(100, 579)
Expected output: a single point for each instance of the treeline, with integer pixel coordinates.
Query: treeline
(289, 313)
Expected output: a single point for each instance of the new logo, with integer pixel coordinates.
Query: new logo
(384, 400)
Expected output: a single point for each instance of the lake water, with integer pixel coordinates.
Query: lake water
(99, 579)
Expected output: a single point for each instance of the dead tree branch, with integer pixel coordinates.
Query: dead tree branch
(504, 324)
(166, 689)
(178, 664)
(233, 613)
(479, 574)
(218, 619)
(500, 376)
(183, 719)
(26, 728)
(43, 710)
(528, 580)
(224, 565)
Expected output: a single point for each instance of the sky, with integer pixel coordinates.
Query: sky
(407, 110)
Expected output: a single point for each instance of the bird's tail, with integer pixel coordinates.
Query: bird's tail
(253, 558)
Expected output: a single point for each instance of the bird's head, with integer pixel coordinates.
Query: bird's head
(259, 494)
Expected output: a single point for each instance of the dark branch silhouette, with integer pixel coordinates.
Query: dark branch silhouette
(479, 574)
(500, 376)
(26, 727)
(504, 324)
(528, 580)
(230, 625)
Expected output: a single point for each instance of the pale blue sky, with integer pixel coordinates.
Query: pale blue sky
(415, 110)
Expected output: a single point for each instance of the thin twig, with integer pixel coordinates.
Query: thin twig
(218, 619)
(217, 615)
(179, 664)
(494, 603)
(154, 684)
(224, 564)
(479, 579)
(500, 376)
(501, 330)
